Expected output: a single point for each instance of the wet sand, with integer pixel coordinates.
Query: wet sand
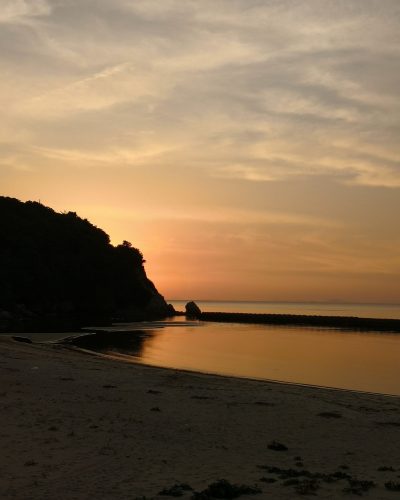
(76, 426)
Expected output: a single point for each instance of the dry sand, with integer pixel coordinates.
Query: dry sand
(75, 426)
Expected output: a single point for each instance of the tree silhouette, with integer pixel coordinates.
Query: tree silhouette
(56, 268)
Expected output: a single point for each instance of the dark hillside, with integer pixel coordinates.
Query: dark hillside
(60, 271)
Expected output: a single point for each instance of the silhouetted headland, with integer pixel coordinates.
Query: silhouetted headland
(59, 271)
(343, 322)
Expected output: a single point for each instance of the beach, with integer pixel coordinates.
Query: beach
(78, 426)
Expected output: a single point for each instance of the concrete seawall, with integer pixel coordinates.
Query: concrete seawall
(344, 322)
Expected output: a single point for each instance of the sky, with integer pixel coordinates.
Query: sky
(249, 148)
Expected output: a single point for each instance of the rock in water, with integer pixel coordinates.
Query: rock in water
(171, 310)
(192, 310)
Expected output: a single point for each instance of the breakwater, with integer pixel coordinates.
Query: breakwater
(342, 322)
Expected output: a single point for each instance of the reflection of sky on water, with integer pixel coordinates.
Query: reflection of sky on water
(366, 361)
(326, 357)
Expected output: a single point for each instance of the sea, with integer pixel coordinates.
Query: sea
(389, 311)
(325, 357)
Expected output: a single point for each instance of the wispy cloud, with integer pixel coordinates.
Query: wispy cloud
(269, 126)
(221, 215)
(23, 11)
(262, 90)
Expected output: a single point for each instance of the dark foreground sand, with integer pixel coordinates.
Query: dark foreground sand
(74, 426)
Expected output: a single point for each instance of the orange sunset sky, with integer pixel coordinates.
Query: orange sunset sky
(250, 149)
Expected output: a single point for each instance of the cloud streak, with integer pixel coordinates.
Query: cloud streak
(279, 113)
(287, 75)
(23, 11)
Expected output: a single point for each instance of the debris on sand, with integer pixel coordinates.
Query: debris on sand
(224, 489)
(276, 446)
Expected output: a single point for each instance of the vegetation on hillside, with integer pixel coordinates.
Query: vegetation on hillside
(60, 271)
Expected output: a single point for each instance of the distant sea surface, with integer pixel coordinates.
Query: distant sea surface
(344, 359)
(308, 308)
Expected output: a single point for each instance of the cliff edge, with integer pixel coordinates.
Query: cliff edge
(59, 271)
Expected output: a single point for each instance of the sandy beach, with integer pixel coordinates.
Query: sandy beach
(75, 426)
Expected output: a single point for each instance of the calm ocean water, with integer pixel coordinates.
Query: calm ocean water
(310, 308)
(362, 361)
(324, 357)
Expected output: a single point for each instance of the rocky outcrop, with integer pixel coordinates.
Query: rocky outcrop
(192, 310)
(158, 308)
(59, 271)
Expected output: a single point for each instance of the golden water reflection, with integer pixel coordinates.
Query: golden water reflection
(325, 357)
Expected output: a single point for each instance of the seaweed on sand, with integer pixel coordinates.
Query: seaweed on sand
(358, 487)
(276, 446)
(392, 486)
(330, 414)
(224, 489)
(307, 487)
(176, 490)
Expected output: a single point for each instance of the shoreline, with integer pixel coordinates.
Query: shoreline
(351, 323)
(75, 426)
(131, 360)
(321, 358)
(98, 342)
